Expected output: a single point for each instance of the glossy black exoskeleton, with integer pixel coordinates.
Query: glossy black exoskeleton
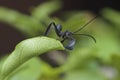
(67, 35)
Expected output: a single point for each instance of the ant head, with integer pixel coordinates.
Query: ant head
(68, 33)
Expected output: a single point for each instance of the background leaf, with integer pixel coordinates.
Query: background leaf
(84, 75)
(27, 25)
(43, 11)
(30, 25)
(26, 71)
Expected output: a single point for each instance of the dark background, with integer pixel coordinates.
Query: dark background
(9, 37)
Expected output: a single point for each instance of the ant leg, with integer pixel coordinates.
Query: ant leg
(48, 29)
(58, 29)
(71, 43)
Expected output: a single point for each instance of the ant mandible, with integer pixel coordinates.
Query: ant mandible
(67, 35)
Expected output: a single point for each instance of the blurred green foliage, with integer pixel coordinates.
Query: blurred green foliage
(87, 60)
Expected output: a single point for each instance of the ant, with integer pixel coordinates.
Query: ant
(67, 35)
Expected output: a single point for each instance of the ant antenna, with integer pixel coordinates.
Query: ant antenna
(85, 25)
(87, 36)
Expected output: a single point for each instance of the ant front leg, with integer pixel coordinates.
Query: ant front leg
(48, 29)
(58, 29)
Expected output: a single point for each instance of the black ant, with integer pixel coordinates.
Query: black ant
(67, 35)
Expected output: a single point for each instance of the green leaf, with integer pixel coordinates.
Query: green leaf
(84, 75)
(2, 59)
(26, 24)
(26, 71)
(27, 49)
(43, 11)
(112, 15)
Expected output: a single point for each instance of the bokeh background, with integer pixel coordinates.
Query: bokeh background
(10, 36)
(22, 19)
